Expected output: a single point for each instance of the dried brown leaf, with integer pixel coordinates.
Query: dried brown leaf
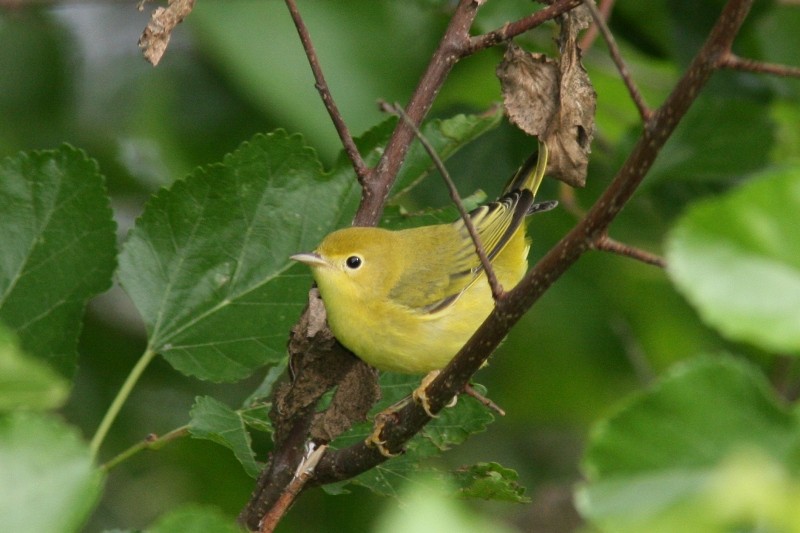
(554, 100)
(530, 89)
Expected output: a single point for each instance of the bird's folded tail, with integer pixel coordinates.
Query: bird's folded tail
(531, 173)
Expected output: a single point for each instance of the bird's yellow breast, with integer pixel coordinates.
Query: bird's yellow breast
(383, 326)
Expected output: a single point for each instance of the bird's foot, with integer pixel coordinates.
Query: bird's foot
(421, 397)
(375, 440)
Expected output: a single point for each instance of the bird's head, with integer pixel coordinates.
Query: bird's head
(352, 263)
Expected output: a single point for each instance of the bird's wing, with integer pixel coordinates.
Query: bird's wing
(452, 264)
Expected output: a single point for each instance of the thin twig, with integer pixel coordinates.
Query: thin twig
(497, 289)
(734, 62)
(469, 390)
(301, 476)
(644, 110)
(322, 87)
(607, 244)
(591, 34)
(512, 29)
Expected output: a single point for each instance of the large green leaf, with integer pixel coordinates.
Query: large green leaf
(207, 264)
(47, 479)
(737, 260)
(678, 455)
(58, 246)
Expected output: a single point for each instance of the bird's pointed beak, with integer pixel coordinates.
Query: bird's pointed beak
(309, 258)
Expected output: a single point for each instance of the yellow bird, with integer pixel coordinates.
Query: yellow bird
(408, 300)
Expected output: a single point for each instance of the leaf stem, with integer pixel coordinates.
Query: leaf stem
(151, 442)
(119, 401)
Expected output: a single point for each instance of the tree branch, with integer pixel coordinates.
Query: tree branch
(607, 244)
(512, 29)
(734, 62)
(376, 190)
(591, 34)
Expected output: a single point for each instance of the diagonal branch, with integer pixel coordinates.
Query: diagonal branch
(591, 34)
(348, 462)
(607, 244)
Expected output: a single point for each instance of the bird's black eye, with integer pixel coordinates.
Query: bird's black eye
(353, 262)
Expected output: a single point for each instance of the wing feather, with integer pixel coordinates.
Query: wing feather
(451, 263)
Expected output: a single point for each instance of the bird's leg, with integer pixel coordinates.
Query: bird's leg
(421, 397)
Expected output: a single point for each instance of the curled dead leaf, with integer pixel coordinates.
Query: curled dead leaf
(554, 99)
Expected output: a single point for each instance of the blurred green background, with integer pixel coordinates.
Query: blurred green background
(72, 73)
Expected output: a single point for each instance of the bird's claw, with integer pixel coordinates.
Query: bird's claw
(375, 441)
(421, 397)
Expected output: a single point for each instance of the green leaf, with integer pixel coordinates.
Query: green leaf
(675, 454)
(257, 417)
(47, 479)
(58, 249)
(453, 426)
(195, 519)
(737, 260)
(215, 421)
(490, 481)
(207, 264)
(27, 382)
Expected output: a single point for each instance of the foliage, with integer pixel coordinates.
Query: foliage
(685, 381)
